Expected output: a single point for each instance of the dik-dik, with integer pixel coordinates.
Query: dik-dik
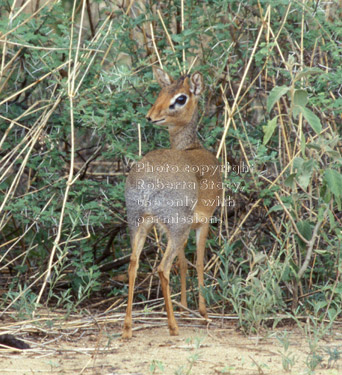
(177, 189)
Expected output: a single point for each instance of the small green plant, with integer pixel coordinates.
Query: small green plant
(23, 301)
(227, 370)
(54, 365)
(288, 359)
(334, 355)
(312, 361)
(194, 344)
(313, 331)
(157, 367)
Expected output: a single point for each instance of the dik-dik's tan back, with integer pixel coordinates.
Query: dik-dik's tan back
(176, 189)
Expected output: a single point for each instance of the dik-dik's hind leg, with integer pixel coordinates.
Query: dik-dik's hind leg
(201, 237)
(183, 270)
(138, 240)
(174, 247)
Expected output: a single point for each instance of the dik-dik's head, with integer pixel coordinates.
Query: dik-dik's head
(177, 101)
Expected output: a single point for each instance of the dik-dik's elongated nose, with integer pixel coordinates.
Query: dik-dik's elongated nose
(155, 114)
(148, 116)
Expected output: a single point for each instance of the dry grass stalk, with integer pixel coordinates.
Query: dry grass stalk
(168, 37)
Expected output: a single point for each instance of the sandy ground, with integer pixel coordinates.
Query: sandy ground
(197, 350)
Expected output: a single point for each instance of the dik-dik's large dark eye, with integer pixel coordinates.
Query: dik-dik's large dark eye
(179, 101)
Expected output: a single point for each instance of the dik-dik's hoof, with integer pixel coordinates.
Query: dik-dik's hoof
(203, 312)
(127, 333)
(174, 331)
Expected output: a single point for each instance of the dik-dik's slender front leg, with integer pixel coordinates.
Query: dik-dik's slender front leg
(138, 240)
(201, 237)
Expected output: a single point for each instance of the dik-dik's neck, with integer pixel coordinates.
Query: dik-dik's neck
(185, 137)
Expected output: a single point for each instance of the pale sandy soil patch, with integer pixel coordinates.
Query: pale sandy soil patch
(152, 351)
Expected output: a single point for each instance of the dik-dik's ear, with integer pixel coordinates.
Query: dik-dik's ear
(164, 79)
(196, 83)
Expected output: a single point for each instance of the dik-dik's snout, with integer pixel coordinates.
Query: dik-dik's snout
(155, 116)
(148, 115)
